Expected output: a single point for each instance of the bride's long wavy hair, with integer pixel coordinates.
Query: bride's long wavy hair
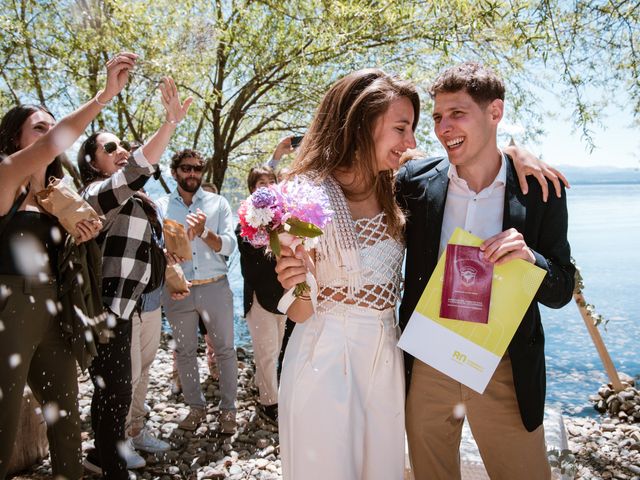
(341, 137)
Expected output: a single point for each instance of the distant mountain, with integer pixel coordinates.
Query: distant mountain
(575, 175)
(594, 175)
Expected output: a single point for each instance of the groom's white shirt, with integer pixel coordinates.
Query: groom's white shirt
(478, 213)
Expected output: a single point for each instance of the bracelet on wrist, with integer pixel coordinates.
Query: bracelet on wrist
(204, 233)
(304, 298)
(173, 122)
(98, 101)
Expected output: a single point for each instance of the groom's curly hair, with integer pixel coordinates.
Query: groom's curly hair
(340, 137)
(479, 81)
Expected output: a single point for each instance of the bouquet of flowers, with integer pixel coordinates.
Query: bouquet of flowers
(285, 214)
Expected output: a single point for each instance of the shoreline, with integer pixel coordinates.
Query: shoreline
(599, 448)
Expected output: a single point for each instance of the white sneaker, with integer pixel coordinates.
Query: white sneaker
(147, 408)
(146, 442)
(133, 458)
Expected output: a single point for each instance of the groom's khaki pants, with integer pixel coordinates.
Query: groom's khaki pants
(508, 450)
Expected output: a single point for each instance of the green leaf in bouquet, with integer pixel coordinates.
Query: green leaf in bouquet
(303, 229)
(274, 243)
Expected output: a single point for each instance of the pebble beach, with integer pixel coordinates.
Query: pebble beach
(600, 447)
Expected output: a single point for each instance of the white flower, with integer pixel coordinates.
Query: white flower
(258, 217)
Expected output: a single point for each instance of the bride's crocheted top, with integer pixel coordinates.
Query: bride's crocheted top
(369, 273)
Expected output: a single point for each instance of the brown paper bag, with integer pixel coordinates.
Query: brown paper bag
(175, 280)
(66, 205)
(176, 240)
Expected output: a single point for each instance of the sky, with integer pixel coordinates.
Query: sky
(617, 145)
(616, 139)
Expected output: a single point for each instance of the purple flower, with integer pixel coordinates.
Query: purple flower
(306, 202)
(263, 198)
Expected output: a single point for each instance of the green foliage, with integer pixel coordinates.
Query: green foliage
(303, 229)
(274, 243)
(257, 69)
(591, 309)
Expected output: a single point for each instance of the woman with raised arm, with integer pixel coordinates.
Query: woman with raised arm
(33, 349)
(113, 179)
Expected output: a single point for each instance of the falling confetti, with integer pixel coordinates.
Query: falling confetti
(51, 306)
(56, 236)
(123, 449)
(459, 410)
(51, 413)
(5, 292)
(29, 255)
(100, 382)
(63, 137)
(15, 360)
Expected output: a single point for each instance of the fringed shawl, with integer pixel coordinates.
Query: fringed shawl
(338, 254)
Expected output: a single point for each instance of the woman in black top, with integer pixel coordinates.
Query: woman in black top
(32, 348)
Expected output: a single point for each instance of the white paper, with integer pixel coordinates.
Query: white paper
(451, 354)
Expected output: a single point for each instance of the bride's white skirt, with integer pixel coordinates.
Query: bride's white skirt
(341, 402)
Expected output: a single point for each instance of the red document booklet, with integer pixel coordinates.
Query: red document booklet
(466, 291)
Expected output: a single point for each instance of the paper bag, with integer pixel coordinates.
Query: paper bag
(175, 280)
(176, 240)
(66, 205)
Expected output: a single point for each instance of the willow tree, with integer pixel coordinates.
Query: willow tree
(257, 68)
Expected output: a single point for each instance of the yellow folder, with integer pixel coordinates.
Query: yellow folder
(512, 290)
(467, 351)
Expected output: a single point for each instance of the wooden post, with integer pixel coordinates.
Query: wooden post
(598, 342)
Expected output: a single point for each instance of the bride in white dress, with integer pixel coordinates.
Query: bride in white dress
(342, 387)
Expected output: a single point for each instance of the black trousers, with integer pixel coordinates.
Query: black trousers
(34, 350)
(111, 376)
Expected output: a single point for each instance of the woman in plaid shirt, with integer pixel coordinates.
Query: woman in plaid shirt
(112, 179)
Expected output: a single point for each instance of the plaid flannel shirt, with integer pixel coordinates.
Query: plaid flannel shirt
(126, 235)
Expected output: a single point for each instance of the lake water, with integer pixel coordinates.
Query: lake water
(604, 232)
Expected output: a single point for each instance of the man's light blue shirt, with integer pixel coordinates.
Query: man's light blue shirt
(206, 263)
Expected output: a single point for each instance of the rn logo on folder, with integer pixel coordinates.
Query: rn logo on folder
(466, 289)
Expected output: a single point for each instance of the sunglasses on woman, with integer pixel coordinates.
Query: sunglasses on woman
(111, 147)
(191, 168)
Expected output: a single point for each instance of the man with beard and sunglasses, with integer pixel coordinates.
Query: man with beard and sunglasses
(209, 224)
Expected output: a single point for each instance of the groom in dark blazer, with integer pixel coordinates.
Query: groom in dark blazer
(476, 189)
